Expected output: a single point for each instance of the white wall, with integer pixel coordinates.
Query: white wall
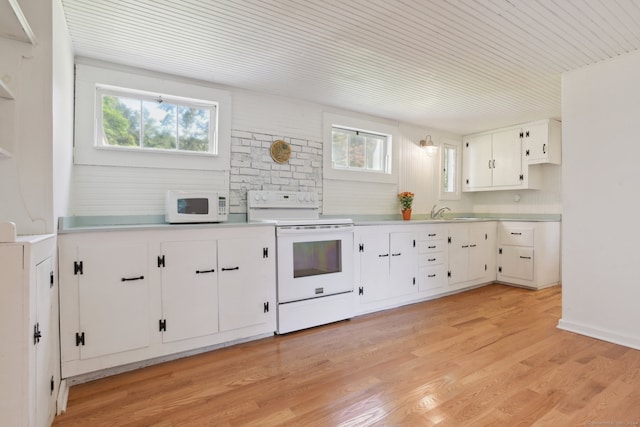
(62, 70)
(546, 200)
(26, 189)
(104, 190)
(601, 132)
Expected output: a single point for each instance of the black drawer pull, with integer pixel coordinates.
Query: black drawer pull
(431, 234)
(431, 247)
(383, 255)
(525, 257)
(205, 271)
(431, 259)
(472, 246)
(516, 234)
(231, 269)
(398, 254)
(131, 279)
(465, 246)
(431, 275)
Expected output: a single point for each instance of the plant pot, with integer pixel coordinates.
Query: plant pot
(406, 214)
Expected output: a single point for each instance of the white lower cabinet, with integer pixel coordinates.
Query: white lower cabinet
(386, 264)
(189, 276)
(401, 264)
(432, 257)
(29, 372)
(529, 254)
(113, 298)
(132, 296)
(246, 272)
(472, 252)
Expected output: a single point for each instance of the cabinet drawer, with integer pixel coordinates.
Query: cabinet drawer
(516, 236)
(432, 277)
(429, 259)
(434, 234)
(431, 246)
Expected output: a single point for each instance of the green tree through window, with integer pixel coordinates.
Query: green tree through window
(155, 123)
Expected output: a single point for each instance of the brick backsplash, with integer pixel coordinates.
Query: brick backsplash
(252, 167)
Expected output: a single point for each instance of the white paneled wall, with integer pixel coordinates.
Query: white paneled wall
(364, 198)
(420, 172)
(546, 200)
(259, 118)
(107, 190)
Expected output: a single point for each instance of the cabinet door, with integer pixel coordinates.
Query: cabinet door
(189, 289)
(46, 348)
(113, 299)
(243, 282)
(478, 252)
(517, 262)
(458, 253)
(403, 264)
(536, 143)
(477, 162)
(374, 266)
(543, 142)
(507, 158)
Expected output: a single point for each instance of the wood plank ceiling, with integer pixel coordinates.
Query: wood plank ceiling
(457, 65)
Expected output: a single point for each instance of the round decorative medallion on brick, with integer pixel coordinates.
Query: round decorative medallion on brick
(280, 151)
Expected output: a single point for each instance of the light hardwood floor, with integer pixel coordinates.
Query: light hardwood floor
(487, 357)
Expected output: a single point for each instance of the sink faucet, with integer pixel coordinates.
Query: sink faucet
(435, 213)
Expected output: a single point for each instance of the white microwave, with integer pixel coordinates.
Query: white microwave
(196, 206)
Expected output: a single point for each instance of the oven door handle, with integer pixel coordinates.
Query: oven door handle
(314, 229)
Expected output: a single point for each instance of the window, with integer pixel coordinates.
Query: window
(450, 174)
(143, 121)
(359, 150)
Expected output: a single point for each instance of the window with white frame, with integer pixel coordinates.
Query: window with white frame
(144, 119)
(130, 119)
(358, 149)
(353, 149)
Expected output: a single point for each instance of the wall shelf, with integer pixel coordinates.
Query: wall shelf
(13, 23)
(5, 92)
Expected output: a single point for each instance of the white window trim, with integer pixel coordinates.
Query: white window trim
(457, 195)
(180, 101)
(87, 126)
(330, 120)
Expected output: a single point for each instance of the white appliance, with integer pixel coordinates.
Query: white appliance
(196, 206)
(315, 278)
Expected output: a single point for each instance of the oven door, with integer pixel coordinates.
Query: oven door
(314, 261)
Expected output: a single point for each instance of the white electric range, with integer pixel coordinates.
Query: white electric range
(315, 277)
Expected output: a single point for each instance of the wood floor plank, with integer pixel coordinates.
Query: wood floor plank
(491, 356)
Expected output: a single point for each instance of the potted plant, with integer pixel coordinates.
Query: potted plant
(406, 200)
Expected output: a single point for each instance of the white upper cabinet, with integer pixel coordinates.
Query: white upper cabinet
(494, 161)
(543, 142)
(506, 164)
(507, 159)
(477, 158)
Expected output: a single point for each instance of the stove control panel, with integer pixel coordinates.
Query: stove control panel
(258, 199)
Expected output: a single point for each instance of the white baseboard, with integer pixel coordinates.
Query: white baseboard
(63, 396)
(601, 334)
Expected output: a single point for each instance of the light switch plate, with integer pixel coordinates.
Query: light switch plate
(7, 232)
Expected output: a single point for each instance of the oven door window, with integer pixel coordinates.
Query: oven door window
(315, 258)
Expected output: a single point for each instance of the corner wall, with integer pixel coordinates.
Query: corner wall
(601, 148)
